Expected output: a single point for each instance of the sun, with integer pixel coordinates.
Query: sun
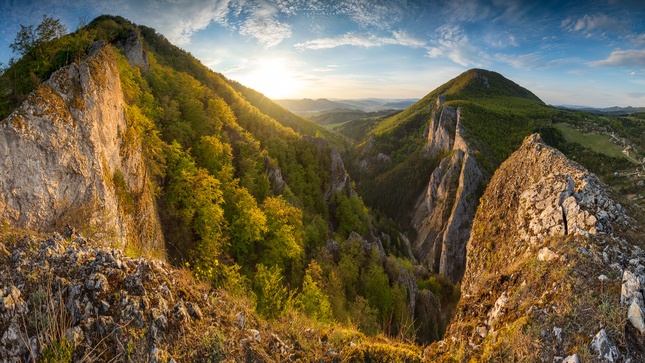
(275, 78)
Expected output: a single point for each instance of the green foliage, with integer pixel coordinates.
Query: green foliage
(378, 291)
(194, 202)
(59, 351)
(248, 224)
(44, 49)
(273, 298)
(284, 243)
(351, 214)
(312, 300)
(28, 40)
(442, 288)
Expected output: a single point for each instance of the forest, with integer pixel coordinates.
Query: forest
(243, 187)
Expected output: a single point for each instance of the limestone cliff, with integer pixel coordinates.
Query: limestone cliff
(443, 213)
(554, 269)
(64, 159)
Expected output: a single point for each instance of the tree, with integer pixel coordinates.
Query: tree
(312, 300)
(284, 242)
(273, 298)
(28, 38)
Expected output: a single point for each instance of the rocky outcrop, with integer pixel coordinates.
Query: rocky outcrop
(551, 253)
(338, 178)
(563, 199)
(66, 296)
(64, 159)
(443, 214)
(133, 50)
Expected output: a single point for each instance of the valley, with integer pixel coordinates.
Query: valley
(155, 210)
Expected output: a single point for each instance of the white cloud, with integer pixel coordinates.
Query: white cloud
(362, 40)
(622, 58)
(456, 46)
(263, 26)
(373, 13)
(639, 39)
(327, 68)
(532, 61)
(178, 20)
(592, 24)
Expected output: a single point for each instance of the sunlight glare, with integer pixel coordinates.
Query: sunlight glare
(273, 78)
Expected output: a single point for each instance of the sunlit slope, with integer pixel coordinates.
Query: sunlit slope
(169, 55)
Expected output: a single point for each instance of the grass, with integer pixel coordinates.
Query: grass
(599, 143)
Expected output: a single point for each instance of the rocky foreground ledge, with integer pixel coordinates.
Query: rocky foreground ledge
(66, 299)
(555, 271)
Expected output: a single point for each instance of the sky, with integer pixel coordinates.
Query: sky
(587, 53)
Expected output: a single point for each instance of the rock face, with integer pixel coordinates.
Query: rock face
(64, 158)
(134, 52)
(338, 178)
(551, 251)
(443, 213)
(563, 198)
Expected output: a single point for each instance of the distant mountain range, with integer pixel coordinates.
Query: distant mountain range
(615, 110)
(307, 105)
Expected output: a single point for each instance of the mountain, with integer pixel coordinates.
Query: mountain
(616, 110)
(553, 268)
(428, 165)
(150, 155)
(306, 106)
(200, 221)
(337, 117)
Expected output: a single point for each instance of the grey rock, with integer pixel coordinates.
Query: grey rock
(571, 359)
(630, 289)
(255, 335)
(545, 254)
(444, 212)
(497, 310)
(635, 316)
(59, 145)
(240, 319)
(194, 311)
(605, 348)
(558, 333)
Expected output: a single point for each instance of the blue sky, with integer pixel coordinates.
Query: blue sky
(567, 52)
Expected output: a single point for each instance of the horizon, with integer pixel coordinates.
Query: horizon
(572, 53)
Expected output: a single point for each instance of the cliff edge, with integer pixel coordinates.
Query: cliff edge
(65, 160)
(554, 268)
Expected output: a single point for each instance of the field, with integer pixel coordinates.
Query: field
(599, 143)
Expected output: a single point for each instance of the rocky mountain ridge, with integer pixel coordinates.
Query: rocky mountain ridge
(66, 148)
(443, 213)
(553, 263)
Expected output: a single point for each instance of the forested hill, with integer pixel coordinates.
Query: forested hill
(250, 198)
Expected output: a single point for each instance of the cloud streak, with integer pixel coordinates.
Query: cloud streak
(622, 58)
(179, 20)
(361, 40)
(597, 23)
(532, 61)
(455, 45)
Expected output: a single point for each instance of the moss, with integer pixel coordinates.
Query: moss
(58, 352)
(123, 194)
